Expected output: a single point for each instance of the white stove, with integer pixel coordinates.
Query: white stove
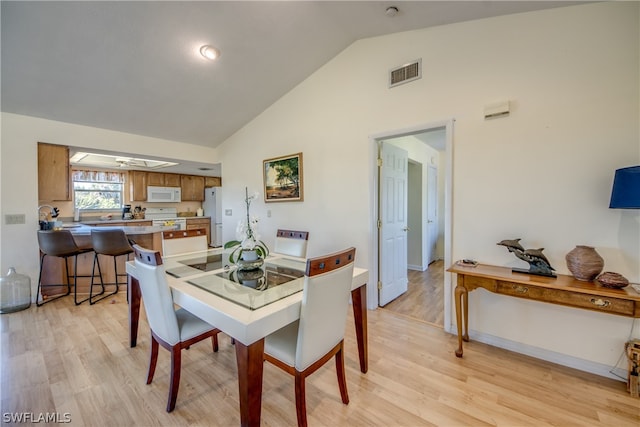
(166, 217)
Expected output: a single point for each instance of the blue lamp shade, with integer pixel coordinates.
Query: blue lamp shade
(626, 189)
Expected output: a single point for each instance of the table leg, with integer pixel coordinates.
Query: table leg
(359, 300)
(134, 296)
(462, 310)
(250, 361)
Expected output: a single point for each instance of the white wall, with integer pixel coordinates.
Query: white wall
(542, 174)
(19, 175)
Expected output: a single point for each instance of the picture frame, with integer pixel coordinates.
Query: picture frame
(283, 179)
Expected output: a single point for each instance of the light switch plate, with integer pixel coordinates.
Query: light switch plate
(10, 219)
(228, 212)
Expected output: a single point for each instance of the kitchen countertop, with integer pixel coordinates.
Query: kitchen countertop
(132, 221)
(84, 229)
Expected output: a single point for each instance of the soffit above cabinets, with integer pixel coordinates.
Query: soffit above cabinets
(124, 161)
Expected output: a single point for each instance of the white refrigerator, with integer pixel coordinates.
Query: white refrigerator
(212, 207)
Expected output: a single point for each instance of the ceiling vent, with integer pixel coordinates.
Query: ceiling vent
(405, 73)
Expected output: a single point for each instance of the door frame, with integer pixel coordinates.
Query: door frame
(372, 291)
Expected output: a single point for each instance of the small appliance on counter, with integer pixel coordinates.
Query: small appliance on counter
(126, 212)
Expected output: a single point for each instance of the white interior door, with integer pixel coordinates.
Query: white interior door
(432, 213)
(393, 223)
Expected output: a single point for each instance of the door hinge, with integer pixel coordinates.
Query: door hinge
(379, 161)
(379, 285)
(379, 224)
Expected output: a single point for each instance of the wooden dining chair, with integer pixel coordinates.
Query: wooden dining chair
(302, 347)
(172, 329)
(290, 242)
(176, 242)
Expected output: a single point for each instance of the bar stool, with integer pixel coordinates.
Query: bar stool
(112, 243)
(60, 243)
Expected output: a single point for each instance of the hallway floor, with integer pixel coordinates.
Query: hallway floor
(424, 299)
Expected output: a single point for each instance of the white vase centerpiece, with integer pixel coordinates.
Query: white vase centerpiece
(249, 249)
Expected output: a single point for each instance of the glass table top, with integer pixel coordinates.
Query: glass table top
(211, 271)
(253, 289)
(194, 264)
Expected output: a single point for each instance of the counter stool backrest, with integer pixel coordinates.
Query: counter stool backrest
(183, 241)
(58, 243)
(110, 242)
(292, 243)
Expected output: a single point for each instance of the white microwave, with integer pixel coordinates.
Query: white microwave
(164, 194)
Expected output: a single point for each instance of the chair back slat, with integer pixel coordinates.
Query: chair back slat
(291, 242)
(158, 301)
(183, 241)
(325, 302)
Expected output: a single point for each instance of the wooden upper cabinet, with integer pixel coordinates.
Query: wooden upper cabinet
(192, 188)
(138, 185)
(163, 179)
(155, 178)
(54, 173)
(212, 181)
(172, 180)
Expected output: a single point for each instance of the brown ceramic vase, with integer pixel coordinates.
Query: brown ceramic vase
(584, 263)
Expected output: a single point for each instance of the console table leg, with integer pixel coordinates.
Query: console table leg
(461, 296)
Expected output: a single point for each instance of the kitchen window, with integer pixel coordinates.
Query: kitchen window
(97, 190)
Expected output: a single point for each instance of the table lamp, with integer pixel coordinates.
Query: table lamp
(625, 193)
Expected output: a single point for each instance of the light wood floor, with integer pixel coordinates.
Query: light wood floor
(424, 299)
(76, 360)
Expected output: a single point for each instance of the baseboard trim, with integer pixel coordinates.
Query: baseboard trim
(600, 369)
(415, 267)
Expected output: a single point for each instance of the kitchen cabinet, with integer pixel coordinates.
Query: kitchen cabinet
(212, 181)
(138, 185)
(172, 180)
(163, 179)
(54, 173)
(192, 188)
(194, 223)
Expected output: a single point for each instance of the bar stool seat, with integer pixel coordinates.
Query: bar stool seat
(114, 243)
(60, 243)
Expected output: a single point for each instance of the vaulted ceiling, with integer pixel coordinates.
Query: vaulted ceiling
(135, 66)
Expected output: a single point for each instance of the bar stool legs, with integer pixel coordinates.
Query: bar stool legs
(40, 285)
(113, 243)
(96, 261)
(59, 244)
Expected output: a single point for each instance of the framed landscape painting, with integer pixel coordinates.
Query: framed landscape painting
(283, 179)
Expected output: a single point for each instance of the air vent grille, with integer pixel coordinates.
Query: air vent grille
(406, 73)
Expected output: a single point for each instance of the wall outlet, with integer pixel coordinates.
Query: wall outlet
(269, 213)
(228, 212)
(10, 219)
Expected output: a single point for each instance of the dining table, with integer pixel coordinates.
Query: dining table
(245, 305)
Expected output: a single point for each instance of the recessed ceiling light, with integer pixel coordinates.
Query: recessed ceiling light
(391, 11)
(209, 52)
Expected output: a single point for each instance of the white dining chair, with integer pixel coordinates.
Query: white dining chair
(172, 329)
(292, 243)
(303, 346)
(176, 242)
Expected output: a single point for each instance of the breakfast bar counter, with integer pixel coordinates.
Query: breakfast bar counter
(54, 270)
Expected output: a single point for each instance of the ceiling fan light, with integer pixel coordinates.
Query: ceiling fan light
(209, 52)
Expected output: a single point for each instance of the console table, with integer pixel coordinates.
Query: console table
(563, 290)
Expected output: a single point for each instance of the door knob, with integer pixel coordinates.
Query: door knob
(405, 228)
